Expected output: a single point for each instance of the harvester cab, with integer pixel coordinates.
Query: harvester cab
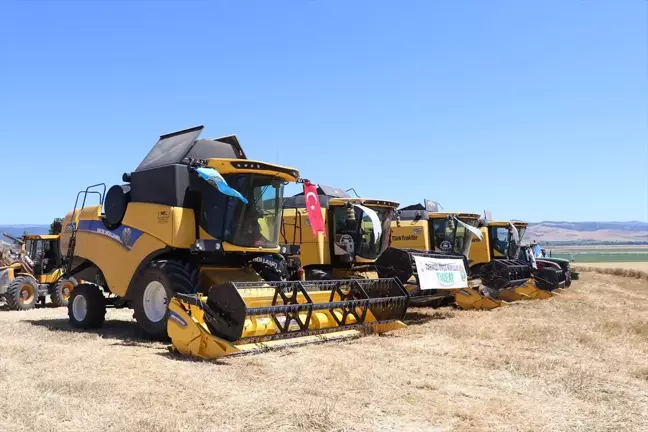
(493, 260)
(36, 274)
(428, 253)
(179, 242)
(357, 233)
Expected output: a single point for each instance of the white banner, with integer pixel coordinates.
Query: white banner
(441, 273)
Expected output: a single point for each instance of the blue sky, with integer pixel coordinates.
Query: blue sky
(537, 110)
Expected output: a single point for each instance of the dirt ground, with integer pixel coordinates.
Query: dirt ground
(576, 362)
(643, 265)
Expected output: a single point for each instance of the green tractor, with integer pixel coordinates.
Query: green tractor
(565, 265)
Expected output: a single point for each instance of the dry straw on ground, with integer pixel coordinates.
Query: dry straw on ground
(633, 270)
(576, 362)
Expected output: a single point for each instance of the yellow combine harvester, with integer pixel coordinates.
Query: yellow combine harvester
(428, 254)
(494, 260)
(36, 274)
(178, 241)
(357, 233)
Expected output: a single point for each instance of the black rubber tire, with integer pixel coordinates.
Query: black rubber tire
(175, 277)
(13, 295)
(95, 306)
(58, 297)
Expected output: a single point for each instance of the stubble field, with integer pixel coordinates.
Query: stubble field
(576, 362)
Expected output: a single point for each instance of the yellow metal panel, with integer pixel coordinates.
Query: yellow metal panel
(41, 237)
(158, 221)
(339, 202)
(51, 277)
(311, 250)
(117, 263)
(444, 215)
(411, 235)
(224, 166)
(183, 233)
(480, 249)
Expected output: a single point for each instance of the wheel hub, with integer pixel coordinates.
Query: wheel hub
(79, 308)
(26, 293)
(155, 301)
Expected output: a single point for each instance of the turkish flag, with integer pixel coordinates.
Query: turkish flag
(313, 209)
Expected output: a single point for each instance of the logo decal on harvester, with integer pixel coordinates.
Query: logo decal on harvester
(177, 318)
(70, 227)
(124, 235)
(446, 246)
(163, 216)
(404, 237)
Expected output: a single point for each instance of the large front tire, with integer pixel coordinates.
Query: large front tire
(63, 291)
(22, 293)
(153, 291)
(87, 306)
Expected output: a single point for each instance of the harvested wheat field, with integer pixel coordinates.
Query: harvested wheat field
(576, 362)
(638, 265)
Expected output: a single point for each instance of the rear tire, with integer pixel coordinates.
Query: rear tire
(22, 293)
(63, 291)
(87, 306)
(153, 290)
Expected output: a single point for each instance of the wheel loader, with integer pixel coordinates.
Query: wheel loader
(179, 241)
(357, 233)
(493, 259)
(428, 254)
(36, 274)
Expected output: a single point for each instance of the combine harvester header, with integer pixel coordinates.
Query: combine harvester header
(237, 318)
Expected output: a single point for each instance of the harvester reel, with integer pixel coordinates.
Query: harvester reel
(502, 274)
(225, 312)
(396, 263)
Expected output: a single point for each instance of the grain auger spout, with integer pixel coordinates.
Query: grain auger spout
(242, 317)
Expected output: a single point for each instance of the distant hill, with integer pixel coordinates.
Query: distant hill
(18, 230)
(561, 231)
(633, 231)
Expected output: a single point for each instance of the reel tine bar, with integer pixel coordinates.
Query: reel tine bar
(386, 298)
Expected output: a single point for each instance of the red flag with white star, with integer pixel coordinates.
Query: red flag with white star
(313, 209)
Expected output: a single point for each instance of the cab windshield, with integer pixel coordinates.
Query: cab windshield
(354, 230)
(255, 224)
(449, 236)
(502, 242)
